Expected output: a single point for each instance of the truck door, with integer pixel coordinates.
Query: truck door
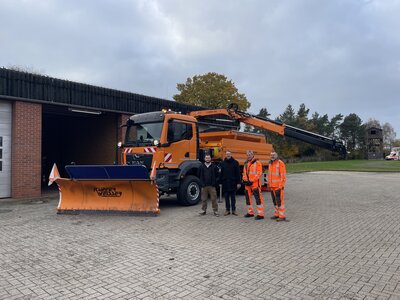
(182, 144)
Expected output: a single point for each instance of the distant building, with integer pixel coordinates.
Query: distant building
(374, 143)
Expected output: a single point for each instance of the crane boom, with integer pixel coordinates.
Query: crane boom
(276, 127)
(242, 117)
(316, 139)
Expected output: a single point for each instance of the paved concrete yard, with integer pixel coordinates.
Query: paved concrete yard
(342, 243)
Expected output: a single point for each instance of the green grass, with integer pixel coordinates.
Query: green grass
(345, 165)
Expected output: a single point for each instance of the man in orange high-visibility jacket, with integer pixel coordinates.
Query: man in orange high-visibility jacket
(276, 183)
(252, 172)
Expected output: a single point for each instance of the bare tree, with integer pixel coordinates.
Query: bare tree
(389, 136)
(373, 123)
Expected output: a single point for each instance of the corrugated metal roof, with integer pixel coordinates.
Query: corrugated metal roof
(33, 87)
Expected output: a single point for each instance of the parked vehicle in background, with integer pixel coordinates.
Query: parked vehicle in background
(394, 154)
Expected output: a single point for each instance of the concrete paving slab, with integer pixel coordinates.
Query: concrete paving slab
(341, 243)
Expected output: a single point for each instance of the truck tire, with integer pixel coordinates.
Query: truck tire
(189, 192)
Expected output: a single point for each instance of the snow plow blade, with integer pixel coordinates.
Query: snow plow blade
(109, 189)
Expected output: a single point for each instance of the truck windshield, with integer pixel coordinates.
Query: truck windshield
(143, 134)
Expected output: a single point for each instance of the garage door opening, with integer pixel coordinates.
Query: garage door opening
(76, 137)
(5, 149)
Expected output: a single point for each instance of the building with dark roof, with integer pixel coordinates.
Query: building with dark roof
(44, 120)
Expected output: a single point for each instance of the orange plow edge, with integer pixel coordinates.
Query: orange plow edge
(110, 189)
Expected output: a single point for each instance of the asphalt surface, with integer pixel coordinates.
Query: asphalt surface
(342, 242)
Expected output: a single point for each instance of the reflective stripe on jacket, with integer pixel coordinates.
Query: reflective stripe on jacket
(252, 170)
(276, 174)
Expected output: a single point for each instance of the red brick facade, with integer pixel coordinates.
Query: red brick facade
(26, 150)
(26, 160)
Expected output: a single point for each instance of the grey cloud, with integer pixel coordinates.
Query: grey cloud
(335, 56)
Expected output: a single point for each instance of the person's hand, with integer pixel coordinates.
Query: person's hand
(238, 186)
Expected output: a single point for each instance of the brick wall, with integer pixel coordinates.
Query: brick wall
(26, 149)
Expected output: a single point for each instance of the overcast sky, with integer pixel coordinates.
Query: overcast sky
(336, 56)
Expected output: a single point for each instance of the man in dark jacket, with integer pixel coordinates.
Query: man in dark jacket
(208, 175)
(230, 179)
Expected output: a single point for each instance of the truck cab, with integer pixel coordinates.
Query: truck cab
(167, 141)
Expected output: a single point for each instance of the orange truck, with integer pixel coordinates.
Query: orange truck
(176, 144)
(162, 153)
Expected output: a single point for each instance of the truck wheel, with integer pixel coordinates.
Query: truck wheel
(189, 191)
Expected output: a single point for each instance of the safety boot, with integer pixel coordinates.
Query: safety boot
(281, 219)
(234, 213)
(216, 214)
(258, 217)
(227, 213)
(248, 215)
(274, 218)
(202, 213)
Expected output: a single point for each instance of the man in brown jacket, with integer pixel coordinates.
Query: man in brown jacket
(208, 175)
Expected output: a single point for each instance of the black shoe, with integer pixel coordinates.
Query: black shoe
(259, 217)
(248, 215)
(274, 218)
(281, 220)
(202, 213)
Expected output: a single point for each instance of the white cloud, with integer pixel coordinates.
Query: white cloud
(335, 56)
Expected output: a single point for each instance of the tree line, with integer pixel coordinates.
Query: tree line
(214, 91)
(349, 129)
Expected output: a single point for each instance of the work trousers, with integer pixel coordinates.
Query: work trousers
(209, 192)
(230, 200)
(256, 191)
(279, 202)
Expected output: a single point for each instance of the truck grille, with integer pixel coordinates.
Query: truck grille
(139, 159)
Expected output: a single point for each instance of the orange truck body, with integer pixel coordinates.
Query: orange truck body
(238, 143)
(177, 158)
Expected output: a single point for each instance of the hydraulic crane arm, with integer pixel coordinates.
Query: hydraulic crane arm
(243, 117)
(316, 139)
(276, 127)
